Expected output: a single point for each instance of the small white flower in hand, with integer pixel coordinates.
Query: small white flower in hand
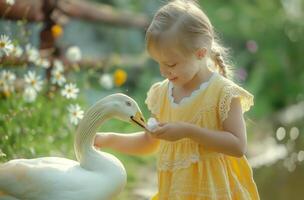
(152, 124)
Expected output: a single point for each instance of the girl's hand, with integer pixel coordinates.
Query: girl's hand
(170, 131)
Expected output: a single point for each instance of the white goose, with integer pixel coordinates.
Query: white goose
(97, 175)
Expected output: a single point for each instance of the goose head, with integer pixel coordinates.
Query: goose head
(126, 109)
(119, 106)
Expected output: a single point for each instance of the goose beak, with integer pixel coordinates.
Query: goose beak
(139, 120)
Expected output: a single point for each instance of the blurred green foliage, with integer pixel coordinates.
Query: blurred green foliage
(274, 70)
(34, 130)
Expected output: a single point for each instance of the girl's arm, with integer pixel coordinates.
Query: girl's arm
(138, 143)
(231, 141)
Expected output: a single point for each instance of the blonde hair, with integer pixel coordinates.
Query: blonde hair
(186, 26)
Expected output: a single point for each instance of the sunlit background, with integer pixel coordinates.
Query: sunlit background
(57, 59)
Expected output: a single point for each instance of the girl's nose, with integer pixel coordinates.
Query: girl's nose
(164, 72)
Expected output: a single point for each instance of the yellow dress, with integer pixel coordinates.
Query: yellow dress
(186, 170)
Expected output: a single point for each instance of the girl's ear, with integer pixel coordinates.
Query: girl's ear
(200, 53)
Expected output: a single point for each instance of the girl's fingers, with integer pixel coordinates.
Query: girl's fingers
(97, 143)
(159, 130)
(161, 123)
(99, 140)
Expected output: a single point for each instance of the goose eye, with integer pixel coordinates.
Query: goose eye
(128, 103)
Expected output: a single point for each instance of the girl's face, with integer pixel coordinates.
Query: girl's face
(177, 69)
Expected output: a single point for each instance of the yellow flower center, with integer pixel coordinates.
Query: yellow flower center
(120, 77)
(33, 82)
(56, 31)
(2, 44)
(58, 75)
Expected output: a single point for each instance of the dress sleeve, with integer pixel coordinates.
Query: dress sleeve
(228, 93)
(152, 99)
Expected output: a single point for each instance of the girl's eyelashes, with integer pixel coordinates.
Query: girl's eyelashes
(171, 65)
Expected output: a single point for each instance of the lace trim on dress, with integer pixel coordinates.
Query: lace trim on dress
(231, 92)
(164, 164)
(186, 99)
(184, 161)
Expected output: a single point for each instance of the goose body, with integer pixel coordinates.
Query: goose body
(51, 178)
(95, 176)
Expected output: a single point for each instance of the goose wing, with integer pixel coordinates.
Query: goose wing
(48, 178)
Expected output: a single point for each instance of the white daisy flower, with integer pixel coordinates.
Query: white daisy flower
(106, 81)
(33, 80)
(8, 76)
(70, 91)
(10, 2)
(17, 51)
(6, 46)
(7, 79)
(57, 77)
(76, 113)
(43, 63)
(4, 87)
(73, 54)
(29, 94)
(58, 66)
(32, 53)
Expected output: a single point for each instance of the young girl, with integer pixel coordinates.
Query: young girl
(201, 138)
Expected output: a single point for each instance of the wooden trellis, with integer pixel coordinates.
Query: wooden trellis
(52, 12)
